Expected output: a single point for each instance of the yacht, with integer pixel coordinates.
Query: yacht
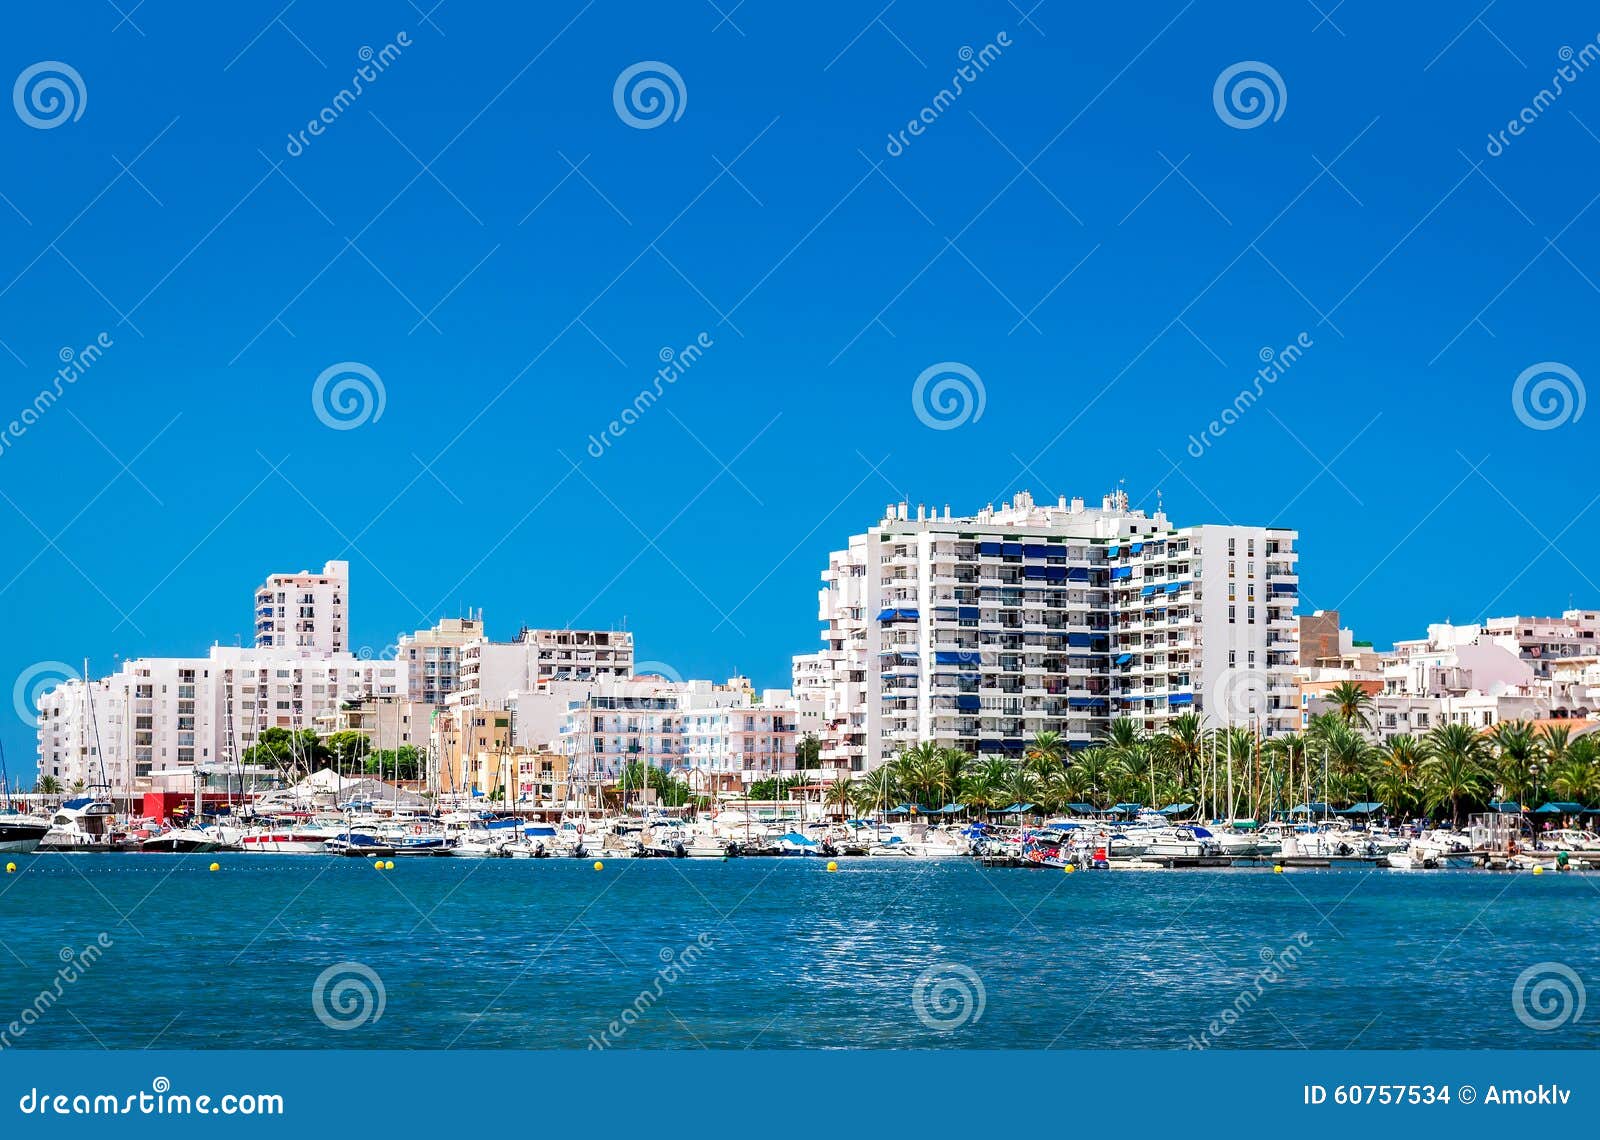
(80, 824)
(19, 833)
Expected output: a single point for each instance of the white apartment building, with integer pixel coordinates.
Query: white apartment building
(491, 670)
(978, 632)
(305, 610)
(433, 657)
(157, 718)
(722, 731)
(1456, 675)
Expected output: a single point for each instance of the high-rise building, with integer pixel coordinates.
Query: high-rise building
(305, 610)
(491, 670)
(978, 632)
(433, 657)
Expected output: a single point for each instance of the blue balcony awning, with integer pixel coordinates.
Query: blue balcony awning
(1174, 587)
(1113, 551)
(1181, 699)
(1148, 590)
(1124, 658)
(897, 615)
(1122, 572)
(1136, 548)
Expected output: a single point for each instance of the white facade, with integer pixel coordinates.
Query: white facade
(433, 657)
(1456, 675)
(159, 717)
(305, 610)
(684, 727)
(978, 632)
(492, 670)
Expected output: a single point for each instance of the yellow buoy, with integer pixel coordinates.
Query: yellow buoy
(216, 866)
(1069, 868)
(1277, 869)
(388, 865)
(1538, 870)
(377, 865)
(833, 866)
(11, 868)
(599, 866)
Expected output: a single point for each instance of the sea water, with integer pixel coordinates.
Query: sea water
(132, 951)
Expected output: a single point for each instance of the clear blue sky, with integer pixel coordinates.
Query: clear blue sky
(1111, 305)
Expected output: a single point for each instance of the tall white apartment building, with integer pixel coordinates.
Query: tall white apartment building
(432, 657)
(155, 719)
(724, 731)
(305, 610)
(978, 632)
(491, 670)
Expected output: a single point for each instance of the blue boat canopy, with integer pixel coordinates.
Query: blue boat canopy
(1506, 807)
(797, 838)
(1559, 809)
(1081, 809)
(1176, 809)
(1015, 809)
(1365, 808)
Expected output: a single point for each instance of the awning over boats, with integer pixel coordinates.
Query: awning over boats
(1176, 809)
(1081, 809)
(1506, 807)
(1127, 807)
(949, 809)
(1311, 809)
(1365, 808)
(901, 809)
(1559, 809)
(1014, 809)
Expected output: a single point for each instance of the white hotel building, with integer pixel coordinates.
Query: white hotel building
(305, 610)
(156, 718)
(978, 632)
(724, 731)
(490, 671)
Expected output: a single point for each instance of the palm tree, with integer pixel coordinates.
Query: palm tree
(1398, 780)
(1517, 750)
(1577, 776)
(951, 770)
(876, 789)
(48, 786)
(841, 794)
(1352, 703)
(1044, 752)
(1454, 770)
(1186, 745)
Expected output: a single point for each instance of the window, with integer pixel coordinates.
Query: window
(1233, 656)
(1231, 614)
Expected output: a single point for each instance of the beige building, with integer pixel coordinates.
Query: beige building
(432, 657)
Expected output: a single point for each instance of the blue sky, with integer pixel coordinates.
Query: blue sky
(485, 232)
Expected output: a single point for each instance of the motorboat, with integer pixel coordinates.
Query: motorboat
(20, 833)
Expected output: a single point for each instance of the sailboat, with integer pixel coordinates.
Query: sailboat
(19, 833)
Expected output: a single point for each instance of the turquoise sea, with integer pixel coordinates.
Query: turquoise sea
(779, 953)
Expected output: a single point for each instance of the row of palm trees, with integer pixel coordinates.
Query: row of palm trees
(1451, 770)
